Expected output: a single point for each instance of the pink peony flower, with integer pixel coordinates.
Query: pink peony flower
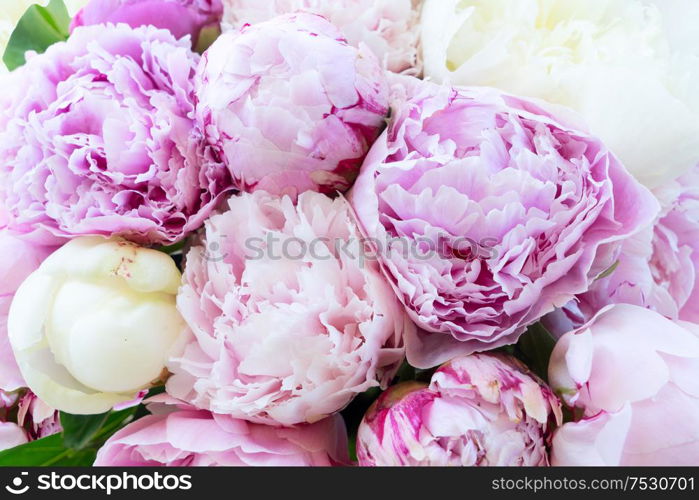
(289, 321)
(97, 136)
(36, 417)
(633, 373)
(483, 409)
(24, 418)
(11, 434)
(390, 28)
(185, 436)
(659, 268)
(180, 17)
(18, 259)
(290, 105)
(489, 212)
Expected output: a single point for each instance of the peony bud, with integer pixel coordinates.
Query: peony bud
(290, 106)
(95, 323)
(478, 410)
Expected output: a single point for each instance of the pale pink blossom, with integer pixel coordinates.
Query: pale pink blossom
(632, 374)
(289, 322)
(18, 259)
(180, 435)
(657, 268)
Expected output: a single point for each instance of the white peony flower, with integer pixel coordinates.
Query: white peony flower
(95, 324)
(630, 67)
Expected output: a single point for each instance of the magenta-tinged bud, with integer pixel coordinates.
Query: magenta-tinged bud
(483, 409)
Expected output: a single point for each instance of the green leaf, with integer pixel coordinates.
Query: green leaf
(44, 453)
(354, 412)
(77, 445)
(115, 421)
(535, 347)
(177, 248)
(405, 372)
(38, 29)
(34, 453)
(82, 458)
(352, 448)
(78, 430)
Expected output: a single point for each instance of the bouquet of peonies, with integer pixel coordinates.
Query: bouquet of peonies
(330, 233)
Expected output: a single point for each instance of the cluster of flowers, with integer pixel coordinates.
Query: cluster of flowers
(563, 134)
